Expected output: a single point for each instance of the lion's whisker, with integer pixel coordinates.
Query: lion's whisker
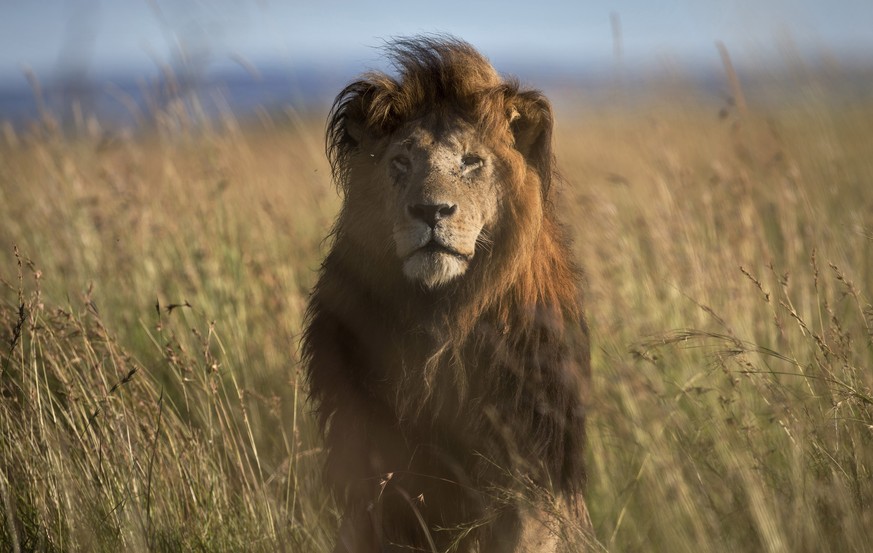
(484, 241)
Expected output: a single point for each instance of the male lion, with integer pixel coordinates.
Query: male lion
(446, 350)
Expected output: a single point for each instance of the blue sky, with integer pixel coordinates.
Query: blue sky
(135, 35)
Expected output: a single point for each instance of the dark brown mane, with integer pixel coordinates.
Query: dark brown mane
(500, 357)
(434, 73)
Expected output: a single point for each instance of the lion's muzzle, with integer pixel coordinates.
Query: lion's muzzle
(429, 246)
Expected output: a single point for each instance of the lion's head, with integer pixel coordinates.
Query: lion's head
(438, 158)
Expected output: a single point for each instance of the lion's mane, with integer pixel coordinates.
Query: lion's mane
(480, 379)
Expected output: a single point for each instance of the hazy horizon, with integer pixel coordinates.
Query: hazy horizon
(130, 37)
(106, 57)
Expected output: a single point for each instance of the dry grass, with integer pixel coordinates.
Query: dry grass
(153, 289)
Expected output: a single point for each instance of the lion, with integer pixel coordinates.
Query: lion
(446, 349)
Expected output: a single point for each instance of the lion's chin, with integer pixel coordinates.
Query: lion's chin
(434, 268)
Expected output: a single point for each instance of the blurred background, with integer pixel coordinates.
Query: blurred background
(117, 60)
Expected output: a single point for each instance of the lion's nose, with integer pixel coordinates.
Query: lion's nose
(431, 213)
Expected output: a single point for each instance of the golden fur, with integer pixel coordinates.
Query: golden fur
(438, 396)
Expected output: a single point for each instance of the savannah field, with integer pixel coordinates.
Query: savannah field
(153, 284)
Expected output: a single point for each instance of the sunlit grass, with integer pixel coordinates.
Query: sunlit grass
(153, 290)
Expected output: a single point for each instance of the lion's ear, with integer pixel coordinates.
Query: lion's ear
(364, 109)
(348, 125)
(348, 117)
(531, 122)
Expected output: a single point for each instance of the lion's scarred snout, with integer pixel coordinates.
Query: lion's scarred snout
(431, 214)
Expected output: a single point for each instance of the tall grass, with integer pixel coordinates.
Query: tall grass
(154, 284)
(733, 257)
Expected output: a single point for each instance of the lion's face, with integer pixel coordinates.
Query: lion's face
(446, 167)
(443, 199)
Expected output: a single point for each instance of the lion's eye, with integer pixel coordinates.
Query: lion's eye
(400, 164)
(471, 162)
